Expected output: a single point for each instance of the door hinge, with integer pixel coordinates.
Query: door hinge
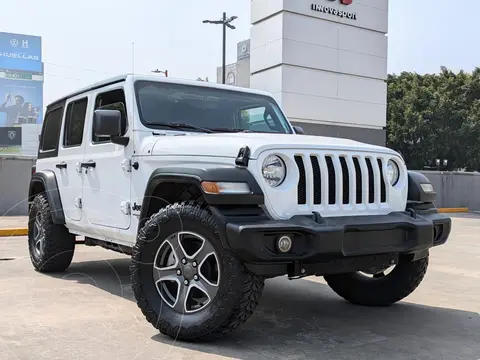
(127, 165)
(78, 202)
(125, 207)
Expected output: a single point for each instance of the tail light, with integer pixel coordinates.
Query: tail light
(34, 169)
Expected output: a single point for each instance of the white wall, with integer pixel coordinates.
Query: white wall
(323, 68)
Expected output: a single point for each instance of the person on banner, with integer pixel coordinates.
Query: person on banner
(27, 116)
(12, 111)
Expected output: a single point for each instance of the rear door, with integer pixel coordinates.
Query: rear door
(71, 152)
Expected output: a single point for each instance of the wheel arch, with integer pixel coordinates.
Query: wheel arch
(172, 184)
(46, 182)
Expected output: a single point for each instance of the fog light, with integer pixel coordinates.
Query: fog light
(284, 244)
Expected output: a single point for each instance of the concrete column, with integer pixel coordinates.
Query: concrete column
(325, 62)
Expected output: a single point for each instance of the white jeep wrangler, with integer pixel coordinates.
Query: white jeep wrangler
(211, 190)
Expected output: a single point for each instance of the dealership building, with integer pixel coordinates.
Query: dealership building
(324, 61)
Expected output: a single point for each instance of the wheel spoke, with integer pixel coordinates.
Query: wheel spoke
(204, 252)
(38, 222)
(206, 287)
(177, 247)
(165, 274)
(182, 294)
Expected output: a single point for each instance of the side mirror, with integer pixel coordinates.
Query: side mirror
(108, 123)
(298, 130)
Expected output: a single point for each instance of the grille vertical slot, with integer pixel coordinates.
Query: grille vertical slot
(302, 181)
(345, 180)
(371, 182)
(383, 189)
(332, 194)
(358, 179)
(317, 181)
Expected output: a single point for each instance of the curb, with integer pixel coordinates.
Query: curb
(453, 210)
(14, 232)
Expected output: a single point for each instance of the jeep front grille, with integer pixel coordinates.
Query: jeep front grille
(344, 180)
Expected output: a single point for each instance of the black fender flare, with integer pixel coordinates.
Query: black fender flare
(214, 173)
(48, 181)
(415, 191)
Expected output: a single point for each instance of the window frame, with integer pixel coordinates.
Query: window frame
(64, 126)
(44, 154)
(97, 95)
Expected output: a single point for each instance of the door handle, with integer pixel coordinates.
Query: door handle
(88, 164)
(62, 165)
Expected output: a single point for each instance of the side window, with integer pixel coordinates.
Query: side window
(50, 133)
(113, 100)
(74, 123)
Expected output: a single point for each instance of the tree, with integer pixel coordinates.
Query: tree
(435, 116)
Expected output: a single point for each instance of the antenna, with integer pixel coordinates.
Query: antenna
(133, 58)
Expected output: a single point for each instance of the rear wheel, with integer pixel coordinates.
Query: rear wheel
(51, 246)
(382, 288)
(186, 284)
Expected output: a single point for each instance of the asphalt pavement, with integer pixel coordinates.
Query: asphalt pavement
(89, 313)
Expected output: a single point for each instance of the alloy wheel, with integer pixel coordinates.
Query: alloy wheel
(186, 272)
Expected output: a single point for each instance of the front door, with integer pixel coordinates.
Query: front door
(71, 152)
(106, 187)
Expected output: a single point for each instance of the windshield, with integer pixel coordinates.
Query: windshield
(208, 108)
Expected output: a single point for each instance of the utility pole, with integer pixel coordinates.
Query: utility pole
(224, 22)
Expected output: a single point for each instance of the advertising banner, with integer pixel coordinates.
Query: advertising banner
(21, 102)
(21, 52)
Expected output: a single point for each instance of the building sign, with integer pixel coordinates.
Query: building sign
(336, 12)
(18, 75)
(21, 52)
(243, 50)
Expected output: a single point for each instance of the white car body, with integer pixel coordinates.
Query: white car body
(100, 202)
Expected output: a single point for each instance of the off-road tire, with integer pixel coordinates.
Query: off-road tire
(59, 244)
(393, 287)
(239, 290)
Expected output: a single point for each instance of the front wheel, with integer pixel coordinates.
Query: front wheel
(186, 284)
(381, 288)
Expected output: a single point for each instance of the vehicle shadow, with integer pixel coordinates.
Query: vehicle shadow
(304, 319)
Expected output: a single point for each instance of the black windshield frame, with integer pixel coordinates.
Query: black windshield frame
(258, 100)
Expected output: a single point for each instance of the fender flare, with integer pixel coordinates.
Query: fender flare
(215, 173)
(415, 191)
(48, 181)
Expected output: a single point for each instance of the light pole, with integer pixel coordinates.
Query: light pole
(224, 21)
(160, 72)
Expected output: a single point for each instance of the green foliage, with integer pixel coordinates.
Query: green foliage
(435, 116)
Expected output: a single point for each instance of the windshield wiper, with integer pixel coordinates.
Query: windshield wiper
(183, 126)
(231, 130)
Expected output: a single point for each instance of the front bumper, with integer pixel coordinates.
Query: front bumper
(316, 239)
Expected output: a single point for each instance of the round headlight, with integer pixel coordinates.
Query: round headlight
(274, 170)
(393, 172)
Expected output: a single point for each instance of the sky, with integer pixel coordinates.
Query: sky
(89, 40)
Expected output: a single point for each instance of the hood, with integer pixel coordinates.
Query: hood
(228, 144)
